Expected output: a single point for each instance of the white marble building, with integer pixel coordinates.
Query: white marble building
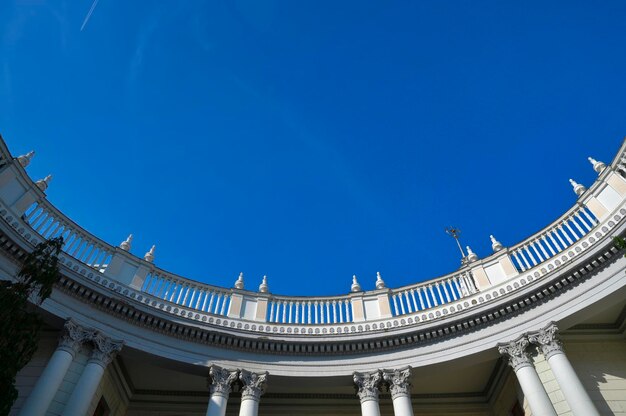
(534, 329)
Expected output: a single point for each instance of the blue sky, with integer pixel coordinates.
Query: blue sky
(311, 141)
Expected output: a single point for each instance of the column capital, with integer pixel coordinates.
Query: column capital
(74, 336)
(368, 385)
(104, 349)
(398, 382)
(547, 339)
(515, 351)
(253, 384)
(221, 380)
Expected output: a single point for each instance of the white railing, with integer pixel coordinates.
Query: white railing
(432, 293)
(187, 293)
(48, 222)
(563, 233)
(309, 311)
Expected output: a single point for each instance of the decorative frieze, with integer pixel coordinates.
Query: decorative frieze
(253, 384)
(516, 353)
(547, 340)
(221, 380)
(367, 385)
(398, 382)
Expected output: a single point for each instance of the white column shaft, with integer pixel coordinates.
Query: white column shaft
(538, 399)
(85, 388)
(48, 383)
(402, 406)
(249, 407)
(217, 405)
(573, 390)
(369, 408)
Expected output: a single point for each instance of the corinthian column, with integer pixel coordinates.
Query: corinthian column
(253, 388)
(48, 383)
(219, 387)
(103, 353)
(575, 394)
(527, 376)
(399, 384)
(368, 385)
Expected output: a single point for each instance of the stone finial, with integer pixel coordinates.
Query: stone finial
(495, 244)
(263, 288)
(597, 165)
(24, 160)
(471, 256)
(367, 385)
(380, 283)
(149, 256)
(356, 287)
(126, 244)
(43, 183)
(578, 188)
(239, 282)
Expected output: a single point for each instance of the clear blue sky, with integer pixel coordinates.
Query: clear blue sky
(310, 141)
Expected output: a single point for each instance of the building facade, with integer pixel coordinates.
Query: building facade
(533, 329)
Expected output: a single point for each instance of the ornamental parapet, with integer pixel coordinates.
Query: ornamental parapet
(598, 211)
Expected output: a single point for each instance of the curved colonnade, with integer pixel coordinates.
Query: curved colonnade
(110, 301)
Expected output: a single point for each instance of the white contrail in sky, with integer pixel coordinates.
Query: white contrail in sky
(89, 13)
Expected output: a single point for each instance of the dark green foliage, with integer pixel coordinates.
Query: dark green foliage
(620, 243)
(19, 326)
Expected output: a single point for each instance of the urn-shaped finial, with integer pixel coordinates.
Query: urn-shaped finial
(43, 183)
(126, 244)
(471, 256)
(263, 288)
(380, 283)
(495, 244)
(578, 188)
(597, 165)
(149, 256)
(24, 160)
(239, 281)
(356, 287)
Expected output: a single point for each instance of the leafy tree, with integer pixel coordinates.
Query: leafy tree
(620, 243)
(19, 324)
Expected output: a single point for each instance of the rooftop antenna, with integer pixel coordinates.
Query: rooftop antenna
(455, 232)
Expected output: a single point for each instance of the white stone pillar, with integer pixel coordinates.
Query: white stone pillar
(48, 383)
(253, 388)
(399, 385)
(575, 394)
(103, 353)
(527, 376)
(368, 385)
(220, 381)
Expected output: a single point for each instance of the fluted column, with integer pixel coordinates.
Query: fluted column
(368, 385)
(103, 353)
(253, 388)
(527, 376)
(221, 381)
(575, 394)
(399, 385)
(48, 383)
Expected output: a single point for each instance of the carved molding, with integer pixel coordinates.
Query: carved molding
(398, 382)
(516, 353)
(74, 336)
(253, 384)
(221, 380)
(368, 385)
(547, 339)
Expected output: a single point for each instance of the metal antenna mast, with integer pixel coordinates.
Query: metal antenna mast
(454, 232)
